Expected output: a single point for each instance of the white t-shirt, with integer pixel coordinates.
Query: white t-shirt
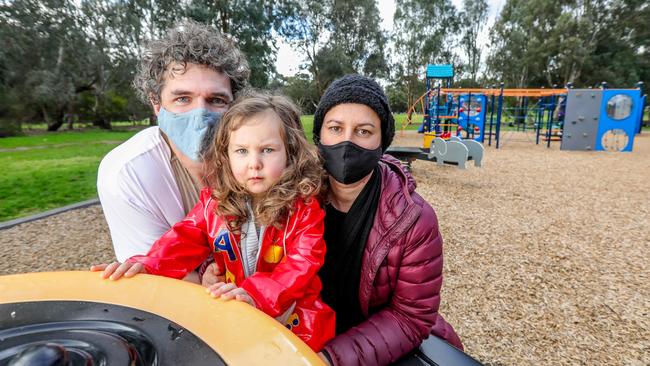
(139, 194)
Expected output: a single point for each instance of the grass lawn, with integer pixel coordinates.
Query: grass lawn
(51, 170)
(47, 170)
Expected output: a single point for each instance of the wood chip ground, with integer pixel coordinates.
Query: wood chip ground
(546, 251)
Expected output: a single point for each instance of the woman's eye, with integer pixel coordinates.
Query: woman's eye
(363, 133)
(183, 100)
(241, 151)
(268, 150)
(335, 129)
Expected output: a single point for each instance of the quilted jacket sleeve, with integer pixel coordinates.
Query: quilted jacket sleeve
(274, 292)
(181, 249)
(412, 310)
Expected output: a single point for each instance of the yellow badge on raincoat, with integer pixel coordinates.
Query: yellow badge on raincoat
(273, 254)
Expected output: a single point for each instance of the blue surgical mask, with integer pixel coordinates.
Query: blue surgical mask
(189, 131)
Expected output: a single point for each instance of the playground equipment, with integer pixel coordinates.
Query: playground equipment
(445, 116)
(76, 318)
(144, 320)
(456, 151)
(608, 121)
(602, 119)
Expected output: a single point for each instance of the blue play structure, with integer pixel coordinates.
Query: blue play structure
(447, 115)
(582, 119)
(602, 119)
(435, 109)
(471, 115)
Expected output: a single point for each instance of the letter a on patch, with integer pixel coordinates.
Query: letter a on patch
(222, 243)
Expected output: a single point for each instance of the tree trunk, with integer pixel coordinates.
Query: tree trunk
(99, 120)
(102, 122)
(52, 125)
(55, 126)
(70, 118)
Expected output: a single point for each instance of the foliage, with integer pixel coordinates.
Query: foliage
(66, 62)
(473, 19)
(302, 90)
(337, 38)
(548, 42)
(423, 32)
(62, 58)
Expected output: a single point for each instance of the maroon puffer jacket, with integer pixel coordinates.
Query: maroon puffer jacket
(401, 276)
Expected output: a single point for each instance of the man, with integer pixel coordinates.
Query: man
(151, 181)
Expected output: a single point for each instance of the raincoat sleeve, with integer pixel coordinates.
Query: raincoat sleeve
(183, 248)
(274, 292)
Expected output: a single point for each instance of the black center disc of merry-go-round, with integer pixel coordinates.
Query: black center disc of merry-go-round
(74, 333)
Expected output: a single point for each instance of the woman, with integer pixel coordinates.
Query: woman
(383, 268)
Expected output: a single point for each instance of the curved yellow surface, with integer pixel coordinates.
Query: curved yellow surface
(240, 334)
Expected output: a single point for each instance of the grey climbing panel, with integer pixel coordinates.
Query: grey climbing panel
(581, 120)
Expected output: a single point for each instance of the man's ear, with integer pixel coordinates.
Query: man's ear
(156, 106)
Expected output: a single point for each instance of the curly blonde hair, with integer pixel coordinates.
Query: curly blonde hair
(302, 178)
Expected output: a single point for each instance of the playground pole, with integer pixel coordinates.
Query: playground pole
(491, 115)
(643, 100)
(518, 112)
(539, 118)
(469, 113)
(550, 121)
(499, 113)
(525, 112)
(437, 121)
(427, 110)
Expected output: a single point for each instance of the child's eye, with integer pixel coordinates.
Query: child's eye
(241, 151)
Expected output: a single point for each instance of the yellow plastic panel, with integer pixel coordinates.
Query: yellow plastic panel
(239, 333)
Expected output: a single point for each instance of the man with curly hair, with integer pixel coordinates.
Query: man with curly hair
(151, 181)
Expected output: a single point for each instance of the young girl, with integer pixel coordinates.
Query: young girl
(257, 218)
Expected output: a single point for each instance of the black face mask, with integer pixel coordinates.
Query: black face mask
(347, 162)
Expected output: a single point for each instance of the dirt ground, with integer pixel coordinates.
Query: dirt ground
(546, 251)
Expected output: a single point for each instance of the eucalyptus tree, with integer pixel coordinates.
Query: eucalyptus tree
(336, 38)
(547, 42)
(473, 19)
(42, 42)
(253, 24)
(424, 32)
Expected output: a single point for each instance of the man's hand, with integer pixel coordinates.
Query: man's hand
(229, 291)
(116, 270)
(213, 275)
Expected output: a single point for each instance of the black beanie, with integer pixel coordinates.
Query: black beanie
(359, 90)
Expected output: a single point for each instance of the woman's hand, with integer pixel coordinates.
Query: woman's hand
(116, 270)
(213, 275)
(229, 291)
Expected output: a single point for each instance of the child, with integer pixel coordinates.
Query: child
(258, 218)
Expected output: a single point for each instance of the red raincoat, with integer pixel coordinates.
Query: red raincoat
(280, 280)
